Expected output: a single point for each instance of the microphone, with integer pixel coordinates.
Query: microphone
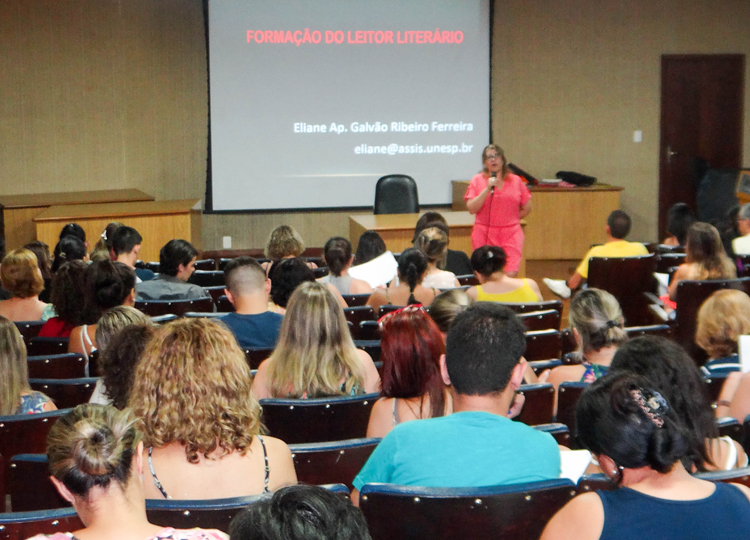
(492, 189)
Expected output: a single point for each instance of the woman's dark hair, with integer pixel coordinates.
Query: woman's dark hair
(286, 275)
(412, 264)
(300, 512)
(68, 288)
(108, 284)
(370, 245)
(73, 229)
(668, 369)
(69, 248)
(119, 360)
(427, 220)
(679, 220)
(624, 418)
(175, 253)
(337, 253)
(487, 260)
(41, 250)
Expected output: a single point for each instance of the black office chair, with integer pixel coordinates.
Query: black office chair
(396, 194)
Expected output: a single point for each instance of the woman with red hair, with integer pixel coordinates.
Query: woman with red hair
(411, 383)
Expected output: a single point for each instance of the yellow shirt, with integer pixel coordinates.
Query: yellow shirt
(524, 293)
(618, 248)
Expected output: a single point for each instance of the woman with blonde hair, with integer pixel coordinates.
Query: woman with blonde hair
(201, 421)
(284, 242)
(16, 397)
(722, 319)
(315, 355)
(95, 457)
(20, 275)
(434, 243)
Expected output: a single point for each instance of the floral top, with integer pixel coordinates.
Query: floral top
(168, 533)
(32, 403)
(593, 372)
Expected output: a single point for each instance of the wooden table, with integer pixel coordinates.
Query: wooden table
(158, 222)
(19, 211)
(563, 222)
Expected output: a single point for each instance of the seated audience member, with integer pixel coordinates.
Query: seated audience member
(68, 290)
(618, 227)
(20, 276)
(488, 263)
(73, 229)
(95, 457)
(126, 244)
(103, 248)
(300, 513)
(741, 244)
(408, 288)
(69, 248)
(372, 263)
(247, 288)
(446, 306)
(41, 250)
(338, 256)
(597, 322)
(315, 355)
(111, 323)
(284, 243)
(202, 427)
(679, 220)
(722, 319)
(477, 445)
(455, 261)
(369, 246)
(108, 284)
(734, 399)
(16, 396)
(639, 441)
(286, 276)
(705, 258)
(674, 374)
(176, 265)
(433, 242)
(118, 362)
(412, 387)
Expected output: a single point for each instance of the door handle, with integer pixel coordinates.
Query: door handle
(670, 153)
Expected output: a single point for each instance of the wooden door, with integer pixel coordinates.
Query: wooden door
(701, 117)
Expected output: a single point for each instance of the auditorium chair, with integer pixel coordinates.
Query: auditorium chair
(595, 482)
(559, 431)
(314, 254)
(468, 279)
(537, 407)
(628, 279)
(368, 331)
(66, 393)
(216, 292)
(205, 264)
(22, 525)
(29, 330)
(354, 300)
(207, 278)
(662, 330)
(517, 511)
(296, 421)
(396, 194)
(29, 486)
(151, 265)
(331, 462)
(174, 307)
(541, 320)
(357, 314)
(666, 261)
(163, 319)
(320, 272)
(223, 305)
(255, 355)
(567, 344)
(540, 366)
(542, 345)
(526, 307)
(736, 476)
(385, 309)
(41, 346)
(57, 366)
(714, 384)
(665, 249)
(371, 347)
(568, 394)
(730, 427)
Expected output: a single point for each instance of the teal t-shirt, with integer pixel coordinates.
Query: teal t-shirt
(465, 449)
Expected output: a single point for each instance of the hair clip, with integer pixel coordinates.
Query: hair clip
(406, 309)
(490, 254)
(104, 235)
(612, 324)
(654, 407)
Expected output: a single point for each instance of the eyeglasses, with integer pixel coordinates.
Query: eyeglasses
(408, 309)
(493, 156)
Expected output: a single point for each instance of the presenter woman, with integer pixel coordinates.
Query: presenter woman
(500, 200)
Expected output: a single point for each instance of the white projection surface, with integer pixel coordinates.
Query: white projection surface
(313, 101)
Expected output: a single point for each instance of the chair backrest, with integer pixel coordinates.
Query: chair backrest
(542, 345)
(371, 347)
(216, 292)
(207, 278)
(205, 264)
(714, 384)
(568, 342)
(162, 319)
(537, 409)
(57, 366)
(468, 279)
(520, 511)
(22, 525)
(174, 307)
(331, 462)
(730, 427)
(539, 366)
(568, 394)
(41, 346)
(368, 331)
(541, 320)
(29, 486)
(357, 314)
(595, 482)
(736, 476)
(204, 514)
(223, 305)
(354, 300)
(385, 309)
(559, 431)
(29, 329)
(396, 194)
(255, 355)
(666, 261)
(627, 279)
(663, 330)
(526, 307)
(66, 393)
(690, 296)
(297, 421)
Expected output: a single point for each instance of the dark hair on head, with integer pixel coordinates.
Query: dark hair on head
(337, 253)
(73, 229)
(124, 239)
(69, 248)
(300, 512)
(427, 220)
(679, 220)
(411, 347)
(484, 344)
(91, 446)
(108, 284)
(369, 246)
(119, 360)
(175, 253)
(68, 288)
(41, 250)
(619, 224)
(244, 275)
(611, 422)
(286, 275)
(412, 264)
(670, 370)
(446, 306)
(487, 260)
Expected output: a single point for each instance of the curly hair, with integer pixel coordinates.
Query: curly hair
(192, 386)
(722, 319)
(284, 241)
(20, 274)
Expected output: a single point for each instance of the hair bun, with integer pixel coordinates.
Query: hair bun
(94, 450)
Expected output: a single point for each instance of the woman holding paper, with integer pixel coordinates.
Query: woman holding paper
(500, 200)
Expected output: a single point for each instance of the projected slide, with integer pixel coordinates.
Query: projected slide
(313, 101)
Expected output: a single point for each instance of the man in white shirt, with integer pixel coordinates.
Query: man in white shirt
(741, 244)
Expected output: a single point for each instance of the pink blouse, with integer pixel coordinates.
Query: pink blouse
(510, 195)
